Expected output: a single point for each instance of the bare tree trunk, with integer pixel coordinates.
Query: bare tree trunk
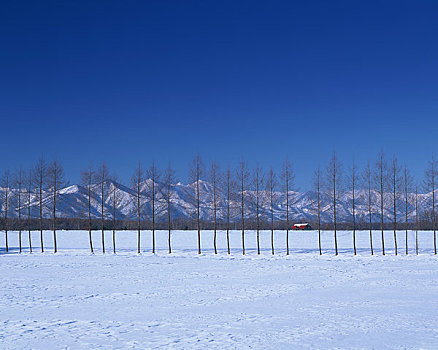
(114, 228)
(381, 165)
(136, 182)
(287, 207)
(195, 174)
(168, 216)
(287, 217)
(334, 211)
(353, 183)
(242, 188)
(406, 183)
(228, 209)
(272, 225)
(101, 214)
(395, 170)
(169, 222)
(6, 220)
(41, 213)
(215, 225)
(272, 183)
(153, 189)
(288, 178)
(29, 191)
(6, 203)
(56, 182)
(368, 178)
(395, 223)
(19, 182)
(87, 178)
(242, 177)
(213, 180)
(169, 178)
(19, 216)
(334, 183)
(395, 216)
(416, 220)
(153, 176)
(153, 216)
(55, 245)
(198, 213)
(318, 186)
(40, 175)
(433, 223)
(258, 208)
(433, 214)
(102, 175)
(89, 218)
(138, 221)
(115, 202)
(430, 186)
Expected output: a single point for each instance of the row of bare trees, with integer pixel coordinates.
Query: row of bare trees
(145, 187)
(39, 187)
(232, 192)
(236, 185)
(391, 182)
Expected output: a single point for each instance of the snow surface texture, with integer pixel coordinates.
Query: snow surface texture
(81, 301)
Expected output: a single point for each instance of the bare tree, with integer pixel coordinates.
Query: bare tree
(40, 173)
(272, 183)
(215, 179)
(56, 181)
(353, 183)
(416, 220)
(101, 177)
(380, 179)
(395, 184)
(169, 179)
(5, 183)
(430, 185)
(318, 185)
(334, 183)
(116, 199)
(407, 188)
(137, 199)
(152, 190)
(288, 177)
(367, 177)
(28, 205)
(230, 189)
(196, 173)
(19, 182)
(259, 184)
(87, 182)
(242, 175)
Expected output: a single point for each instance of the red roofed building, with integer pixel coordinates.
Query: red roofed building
(304, 226)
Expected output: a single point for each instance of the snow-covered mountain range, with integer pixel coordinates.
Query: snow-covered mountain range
(72, 202)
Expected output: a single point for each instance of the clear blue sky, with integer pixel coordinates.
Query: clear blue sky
(122, 81)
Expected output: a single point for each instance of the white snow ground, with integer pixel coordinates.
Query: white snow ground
(81, 301)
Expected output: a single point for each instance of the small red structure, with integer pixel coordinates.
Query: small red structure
(304, 226)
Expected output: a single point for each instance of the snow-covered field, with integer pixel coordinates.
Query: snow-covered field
(81, 301)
